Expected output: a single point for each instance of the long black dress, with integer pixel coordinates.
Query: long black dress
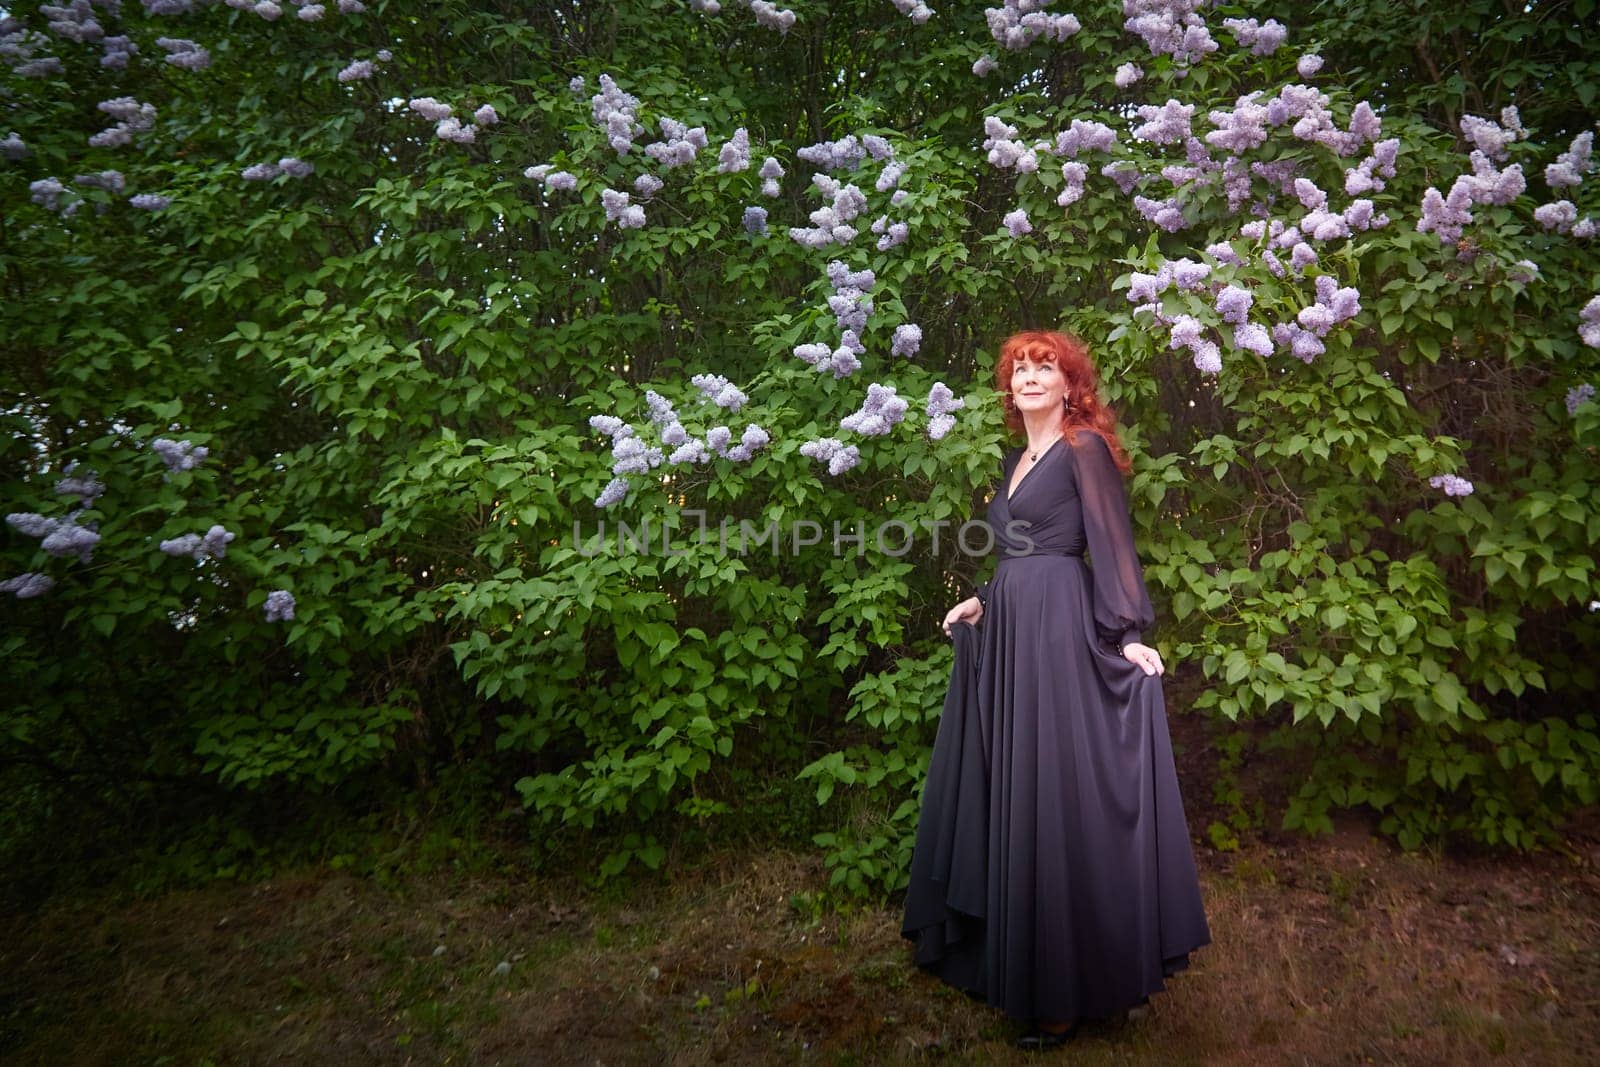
(1052, 874)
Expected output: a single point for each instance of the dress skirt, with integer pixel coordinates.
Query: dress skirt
(1052, 875)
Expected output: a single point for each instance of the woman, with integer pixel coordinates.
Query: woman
(1052, 874)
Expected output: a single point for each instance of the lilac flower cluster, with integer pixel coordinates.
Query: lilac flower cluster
(111, 181)
(1589, 323)
(753, 438)
(771, 16)
(213, 544)
(554, 180)
(719, 391)
(1447, 215)
(917, 11)
(1187, 332)
(850, 302)
(75, 22)
(835, 453)
(1242, 129)
(755, 221)
(1369, 174)
(1169, 27)
(647, 185)
(735, 154)
(59, 537)
(118, 50)
(842, 361)
(891, 233)
(1578, 395)
(13, 147)
(279, 606)
(1570, 166)
(1308, 65)
(1016, 223)
(358, 70)
(179, 455)
(1167, 214)
(132, 117)
(1451, 484)
(679, 145)
(18, 46)
(150, 201)
(1167, 124)
(627, 216)
(1083, 136)
(184, 54)
(614, 112)
(907, 340)
(941, 402)
(288, 165)
(1004, 150)
(86, 487)
(1262, 39)
(1127, 74)
(880, 413)
(1018, 23)
(1074, 175)
(832, 223)
(1334, 305)
(28, 585)
(847, 153)
(706, 7)
(47, 193)
(984, 66)
(771, 170)
(1491, 138)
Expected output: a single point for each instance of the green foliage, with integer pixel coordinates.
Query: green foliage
(393, 361)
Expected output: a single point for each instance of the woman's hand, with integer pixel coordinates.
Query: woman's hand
(969, 610)
(1143, 656)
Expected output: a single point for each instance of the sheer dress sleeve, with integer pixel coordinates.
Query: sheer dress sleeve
(1122, 608)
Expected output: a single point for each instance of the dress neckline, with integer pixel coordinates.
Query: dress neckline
(1012, 491)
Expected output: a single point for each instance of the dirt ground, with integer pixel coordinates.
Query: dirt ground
(1341, 950)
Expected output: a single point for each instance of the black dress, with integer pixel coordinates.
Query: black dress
(1052, 874)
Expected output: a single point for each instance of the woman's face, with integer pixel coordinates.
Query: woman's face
(1037, 386)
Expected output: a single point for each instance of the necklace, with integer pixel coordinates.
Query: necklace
(1034, 455)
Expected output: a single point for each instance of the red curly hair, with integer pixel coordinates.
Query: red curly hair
(1071, 356)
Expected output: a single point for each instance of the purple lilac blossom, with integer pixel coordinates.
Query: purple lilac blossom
(879, 414)
(486, 115)
(47, 193)
(32, 524)
(941, 403)
(1018, 23)
(614, 112)
(907, 340)
(1262, 39)
(358, 70)
(984, 66)
(661, 410)
(1074, 175)
(429, 108)
(770, 16)
(351, 7)
(1081, 136)
(755, 221)
(1451, 484)
(1233, 304)
(87, 488)
(1016, 223)
(1167, 124)
(13, 147)
(1558, 216)
(691, 451)
(1589, 323)
(454, 130)
(844, 154)
(311, 13)
(719, 391)
(1308, 65)
(890, 177)
(1223, 252)
(625, 215)
(150, 201)
(1487, 136)
(706, 7)
(1274, 265)
(835, 453)
(1187, 274)
(917, 11)
(616, 489)
(1570, 166)
(1127, 74)
(28, 585)
(268, 10)
(1524, 271)
(894, 234)
(560, 181)
(1164, 213)
(630, 455)
(1125, 174)
(1240, 130)
(1578, 395)
(118, 50)
(279, 606)
(1170, 27)
(647, 185)
(1252, 337)
(753, 439)
(735, 154)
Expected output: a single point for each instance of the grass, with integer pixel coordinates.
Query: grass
(1334, 951)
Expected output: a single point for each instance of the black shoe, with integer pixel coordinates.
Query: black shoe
(1043, 1040)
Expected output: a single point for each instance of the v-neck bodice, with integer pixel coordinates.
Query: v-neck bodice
(1013, 490)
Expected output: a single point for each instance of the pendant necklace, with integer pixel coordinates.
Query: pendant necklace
(1034, 455)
